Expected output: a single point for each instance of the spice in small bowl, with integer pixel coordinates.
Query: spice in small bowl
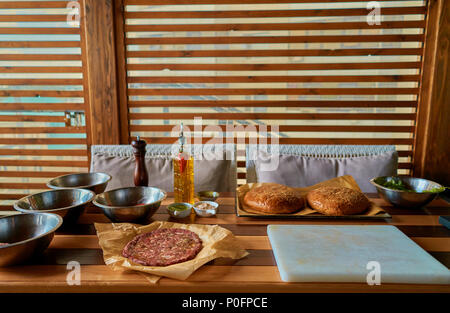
(206, 208)
(180, 209)
(207, 195)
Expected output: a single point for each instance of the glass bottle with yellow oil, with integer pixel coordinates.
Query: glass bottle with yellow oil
(183, 173)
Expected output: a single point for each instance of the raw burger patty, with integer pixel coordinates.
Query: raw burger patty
(162, 247)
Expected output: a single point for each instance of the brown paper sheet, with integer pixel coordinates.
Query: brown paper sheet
(342, 181)
(218, 242)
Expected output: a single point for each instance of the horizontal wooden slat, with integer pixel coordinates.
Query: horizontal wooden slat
(39, 31)
(270, 91)
(11, 196)
(299, 141)
(40, 57)
(40, 93)
(32, 118)
(33, 18)
(40, 81)
(42, 141)
(266, 79)
(42, 152)
(247, 242)
(42, 130)
(270, 13)
(23, 185)
(271, 39)
(273, 67)
(49, 163)
(33, 5)
(39, 44)
(32, 174)
(41, 69)
(268, 52)
(287, 128)
(275, 116)
(268, 103)
(42, 107)
(272, 26)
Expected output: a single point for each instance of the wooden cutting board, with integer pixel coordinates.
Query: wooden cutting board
(322, 253)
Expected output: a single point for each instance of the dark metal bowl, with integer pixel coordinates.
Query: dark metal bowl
(412, 199)
(132, 204)
(26, 236)
(95, 182)
(67, 203)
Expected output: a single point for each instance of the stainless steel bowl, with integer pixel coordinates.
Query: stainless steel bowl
(207, 195)
(67, 203)
(95, 182)
(132, 204)
(26, 236)
(412, 199)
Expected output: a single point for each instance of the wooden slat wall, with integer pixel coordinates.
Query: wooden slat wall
(42, 97)
(318, 71)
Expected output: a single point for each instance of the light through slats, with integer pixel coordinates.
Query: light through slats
(316, 69)
(42, 99)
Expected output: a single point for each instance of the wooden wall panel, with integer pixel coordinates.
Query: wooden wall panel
(101, 71)
(432, 153)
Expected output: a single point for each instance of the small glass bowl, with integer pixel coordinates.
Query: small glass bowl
(207, 195)
(206, 212)
(179, 209)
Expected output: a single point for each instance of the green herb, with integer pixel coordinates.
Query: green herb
(435, 190)
(396, 185)
(178, 207)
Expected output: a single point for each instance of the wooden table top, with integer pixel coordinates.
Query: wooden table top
(255, 273)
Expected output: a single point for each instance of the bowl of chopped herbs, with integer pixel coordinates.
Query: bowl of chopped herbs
(409, 192)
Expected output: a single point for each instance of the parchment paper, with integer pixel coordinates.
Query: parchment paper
(342, 181)
(217, 242)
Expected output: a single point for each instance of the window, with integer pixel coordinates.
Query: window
(42, 99)
(323, 74)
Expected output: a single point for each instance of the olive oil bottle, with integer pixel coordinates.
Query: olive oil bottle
(183, 174)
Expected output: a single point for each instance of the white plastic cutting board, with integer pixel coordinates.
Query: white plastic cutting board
(321, 253)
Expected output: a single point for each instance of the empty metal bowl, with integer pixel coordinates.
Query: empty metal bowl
(26, 236)
(67, 203)
(95, 182)
(417, 197)
(132, 204)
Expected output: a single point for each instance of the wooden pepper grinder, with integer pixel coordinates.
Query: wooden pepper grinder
(140, 172)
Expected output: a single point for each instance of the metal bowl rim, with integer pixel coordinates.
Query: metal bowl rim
(49, 185)
(53, 210)
(128, 207)
(60, 221)
(372, 181)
